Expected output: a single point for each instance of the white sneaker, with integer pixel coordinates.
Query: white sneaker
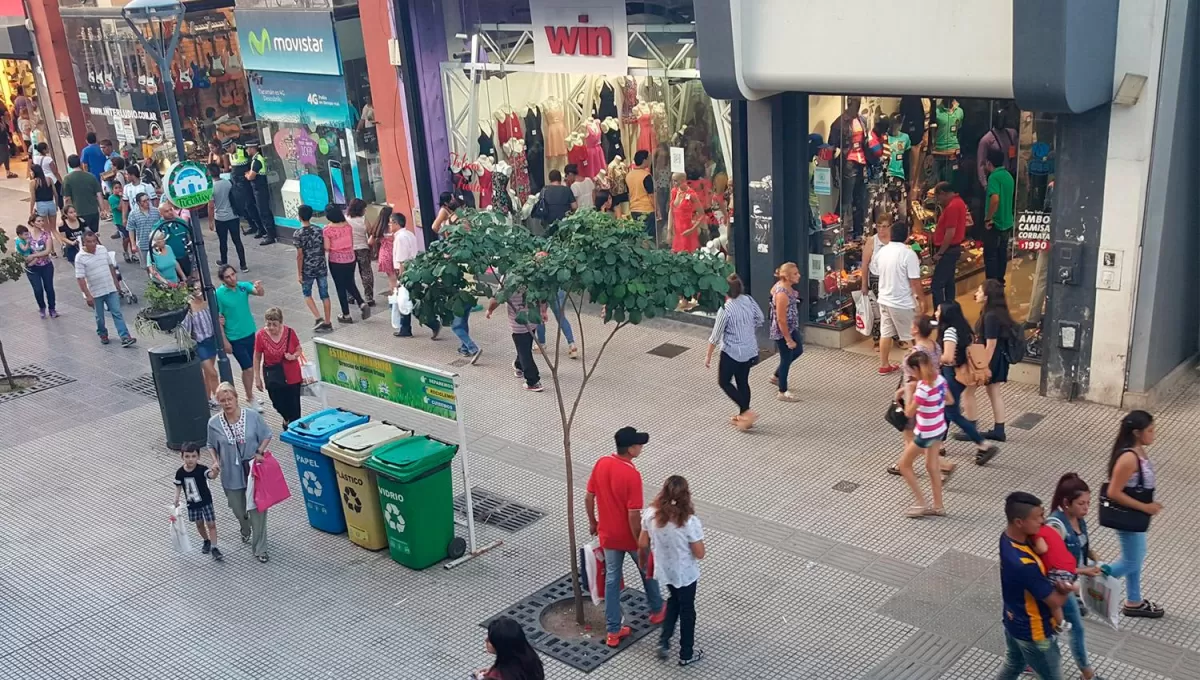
(788, 397)
(257, 404)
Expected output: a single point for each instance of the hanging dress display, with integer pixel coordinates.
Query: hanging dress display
(487, 147)
(612, 144)
(508, 128)
(595, 154)
(629, 118)
(647, 139)
(520, 176)
(485, 189)
(607, 107)
(501, 201)
(535, 149)
(578, 157)
(461, 180)
(556, 130)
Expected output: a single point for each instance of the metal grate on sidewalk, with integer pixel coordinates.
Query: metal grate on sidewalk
(498, 511)
(45, 380)
(143, 385)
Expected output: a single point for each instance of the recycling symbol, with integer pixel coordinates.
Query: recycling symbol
(350, 497)
(394, 519)
(312, 485)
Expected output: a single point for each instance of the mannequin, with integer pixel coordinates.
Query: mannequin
(486, 171)
(647, 139)
(556, 133)
(848, 136)
(595, 154)
(949, 118)
(503, 197)
(612, 139)
(577, 153)
(606, 107)
(617, 171)
(629, 118)
(535, 148)
(514, 150)
(464, 182)
(508, 125)
(658, 113)
(487, 146)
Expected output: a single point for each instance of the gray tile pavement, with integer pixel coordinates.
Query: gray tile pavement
(802, 580)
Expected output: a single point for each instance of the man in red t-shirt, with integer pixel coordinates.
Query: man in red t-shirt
(615, 487)
(948, 236)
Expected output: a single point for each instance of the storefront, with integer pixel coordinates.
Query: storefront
(544, 99)
(26, 109)
(309, 85)
(123, 91)
(810, 113)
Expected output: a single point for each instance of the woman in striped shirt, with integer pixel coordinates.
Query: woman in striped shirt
(928, 407)
(734, 333)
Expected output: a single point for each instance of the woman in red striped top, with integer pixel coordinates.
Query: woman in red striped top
(928, 408)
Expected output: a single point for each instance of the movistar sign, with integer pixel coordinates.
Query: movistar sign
(289, 41)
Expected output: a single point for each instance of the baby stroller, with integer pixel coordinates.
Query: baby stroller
(123, 288)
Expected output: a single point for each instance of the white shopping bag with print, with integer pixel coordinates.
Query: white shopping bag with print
(864, 312)
(250, 488)
(181, 542)
(593, 559)
(1102, 595)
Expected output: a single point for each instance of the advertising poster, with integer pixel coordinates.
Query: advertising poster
(300, 99)
(387, 379)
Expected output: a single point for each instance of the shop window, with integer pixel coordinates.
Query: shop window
(306, 164)
(873, 158)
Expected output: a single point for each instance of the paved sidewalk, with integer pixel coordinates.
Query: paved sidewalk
(802, 580)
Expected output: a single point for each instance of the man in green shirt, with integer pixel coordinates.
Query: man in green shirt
(237, 325)
(81, 189)
(178, 234)
(999, 221)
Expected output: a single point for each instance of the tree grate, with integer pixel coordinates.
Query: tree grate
(45, 380)
(498, 511)
(668, 350)
(845, 486)
(584, 654)
(143, 385)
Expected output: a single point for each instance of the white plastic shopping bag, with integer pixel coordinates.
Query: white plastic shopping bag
(593, 558)
(1102, 595)
(308, 371)
(864, 312)
(181, 542)
(250, 489)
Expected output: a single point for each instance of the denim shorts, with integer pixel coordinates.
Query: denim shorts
(923, 443)
(46, 208)
(322, 287)
(243, 351)
(206, 348)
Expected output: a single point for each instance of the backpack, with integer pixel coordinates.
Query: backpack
(1013, 345)
(975, 370)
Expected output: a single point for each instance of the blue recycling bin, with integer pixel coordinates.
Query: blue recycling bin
(318, 480)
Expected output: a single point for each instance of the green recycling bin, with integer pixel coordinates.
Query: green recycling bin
(416, 497)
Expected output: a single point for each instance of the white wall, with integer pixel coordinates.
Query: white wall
(1140, 28)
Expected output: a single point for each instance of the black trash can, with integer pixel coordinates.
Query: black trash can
(179, 381)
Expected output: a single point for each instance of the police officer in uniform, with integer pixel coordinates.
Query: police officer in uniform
(257, 176)
(242, 193)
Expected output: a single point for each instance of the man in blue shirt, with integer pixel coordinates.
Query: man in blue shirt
(1028, 595)
(93, 157)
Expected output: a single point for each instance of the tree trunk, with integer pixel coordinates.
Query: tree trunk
(575, 587)
(12, 384)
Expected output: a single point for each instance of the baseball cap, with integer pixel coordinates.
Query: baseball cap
(628, 436)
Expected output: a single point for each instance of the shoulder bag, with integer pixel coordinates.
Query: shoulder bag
(895, 415)
(974, 371)
(273, 374)
(1116, 516)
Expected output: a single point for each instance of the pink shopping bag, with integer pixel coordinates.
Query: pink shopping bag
(270, 488)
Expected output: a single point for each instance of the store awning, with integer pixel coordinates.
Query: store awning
(1055, 56)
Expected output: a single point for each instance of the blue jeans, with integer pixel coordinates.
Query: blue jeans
(614, 568)
(406, 325)
(1129, 565)
(954, 412)
(556, 306)
(1043, 657)
(786, 356)
(113, 302)
(41, 277)
(462, 330)
(306, 285)
(1078, 643)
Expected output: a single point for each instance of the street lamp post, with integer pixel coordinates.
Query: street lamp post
(155, 14)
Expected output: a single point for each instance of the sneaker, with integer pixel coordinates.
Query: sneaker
(614, 639)
(53, 313)
(317, 323)
(116, 236)
(436, 332)
(1145, 610)
(518, 373)
(696, 656)
(221, 263)
(788, 397)
(401, 334)
(104, 340)
(891, 368)
(128, 341)
(664, 652)
(266, 242)
(960, 437)
(533, 388)
(245, 269)
(212, 403)
(42, 313)
(258, 404)
(371, 302)
(982, 457)
(345, 319)
(574, 353)
(325, 328)
(659, 616)
(206, 548)
(217, 556)
(246, 539)
(475, 357)
(366, 311)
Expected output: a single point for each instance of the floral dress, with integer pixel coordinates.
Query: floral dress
(520, 178)
(501, 201)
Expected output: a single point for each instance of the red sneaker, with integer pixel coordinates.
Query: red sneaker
(892, 368)
(660, 616)
(614, 639)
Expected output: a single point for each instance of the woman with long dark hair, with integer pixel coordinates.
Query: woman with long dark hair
(1131, 485)
(515, 658)
(1069, 506)
(672, 531)
(955, 335)
(446, 215)
(41, 199)
(992, 330)
(356, 217)
(381, 243)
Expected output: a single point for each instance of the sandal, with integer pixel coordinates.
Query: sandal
(894, 470)
(262, 558)
(774, 380)
(946, 475)
(916, 511)
(1145, 610)
(936, 512)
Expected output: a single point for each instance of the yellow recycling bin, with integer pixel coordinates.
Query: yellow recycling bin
(356, 484)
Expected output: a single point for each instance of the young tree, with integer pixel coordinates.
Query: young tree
(592, 256)
(12, 267)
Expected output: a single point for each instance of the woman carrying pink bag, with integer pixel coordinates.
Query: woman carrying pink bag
(238, 439)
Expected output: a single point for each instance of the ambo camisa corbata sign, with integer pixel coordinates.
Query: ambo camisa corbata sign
(300, 41)
(577, 36)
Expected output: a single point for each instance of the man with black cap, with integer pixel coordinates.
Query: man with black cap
(615, 487)
(257, 177)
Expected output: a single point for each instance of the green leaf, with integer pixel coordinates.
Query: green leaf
(635, 316)
(610, 258)
(564, 275)
(618, 291)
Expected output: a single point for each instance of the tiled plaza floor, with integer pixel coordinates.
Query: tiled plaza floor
(802, 580)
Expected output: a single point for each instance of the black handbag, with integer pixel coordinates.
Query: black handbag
(273, 375)
(1116, 516)
(895, 415)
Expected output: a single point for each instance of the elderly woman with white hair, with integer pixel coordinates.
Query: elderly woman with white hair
(237, 436)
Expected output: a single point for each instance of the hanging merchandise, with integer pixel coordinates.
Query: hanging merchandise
(595, 154)
(502, 199)
(613, 147)
(515, 151)
(647, 138)
(535, 148)
(556, 130)
(607, 106)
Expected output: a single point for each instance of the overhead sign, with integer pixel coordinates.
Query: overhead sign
(389, 379)
(189, 185)
(300, 41)
(300, 99)
(574, 36)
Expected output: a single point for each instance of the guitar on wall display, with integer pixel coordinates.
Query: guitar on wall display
(226, 98)
(87, 52)
(216, 67)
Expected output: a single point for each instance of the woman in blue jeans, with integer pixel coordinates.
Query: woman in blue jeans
(956, 335)
(1131, 485)
(558, 306)
(1069, 507)
(785, 326)
(38, 267)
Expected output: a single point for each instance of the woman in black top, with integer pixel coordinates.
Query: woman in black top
(992, 329)
(515, 657)
(955, 335)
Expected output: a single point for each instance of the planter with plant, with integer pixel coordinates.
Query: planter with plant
(166, 305)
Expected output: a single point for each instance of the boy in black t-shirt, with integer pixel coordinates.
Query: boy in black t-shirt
(191, 481)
